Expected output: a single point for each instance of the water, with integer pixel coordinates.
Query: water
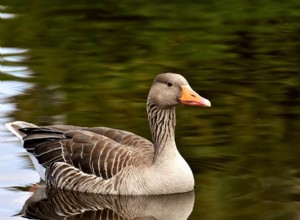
(92, 65)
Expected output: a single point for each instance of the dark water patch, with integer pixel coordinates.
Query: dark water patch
(92, 65)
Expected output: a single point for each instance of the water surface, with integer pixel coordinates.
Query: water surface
(92, 65)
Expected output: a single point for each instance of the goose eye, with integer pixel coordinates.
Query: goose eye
(169, 84)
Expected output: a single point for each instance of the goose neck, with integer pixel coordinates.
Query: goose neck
(162, 125)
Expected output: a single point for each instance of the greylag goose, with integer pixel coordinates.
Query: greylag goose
(111, 161)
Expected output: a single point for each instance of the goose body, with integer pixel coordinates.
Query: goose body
(111, 161)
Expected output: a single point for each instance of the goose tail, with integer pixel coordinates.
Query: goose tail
(14, 127)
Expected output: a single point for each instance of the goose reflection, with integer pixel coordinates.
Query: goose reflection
(47, 203)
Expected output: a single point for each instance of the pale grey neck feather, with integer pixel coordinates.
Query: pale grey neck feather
(162, 125)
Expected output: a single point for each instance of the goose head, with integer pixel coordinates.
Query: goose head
(171, 89)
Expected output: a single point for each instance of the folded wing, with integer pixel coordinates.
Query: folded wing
(100, 151)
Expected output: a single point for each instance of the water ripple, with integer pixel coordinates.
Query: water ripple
(5, 15)
(13, 88)
(14, 58)
(17, 71)
(11, 50)
(14, 55)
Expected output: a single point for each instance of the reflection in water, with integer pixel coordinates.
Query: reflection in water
(57, 204)
(12, 56)
(19, 71)
(91, 65)
(13, 70)
(5, 15)
(13, 168)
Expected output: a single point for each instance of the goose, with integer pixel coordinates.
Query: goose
(110, 161)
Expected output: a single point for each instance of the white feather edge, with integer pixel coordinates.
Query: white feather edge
(39, 168)
(12, 130)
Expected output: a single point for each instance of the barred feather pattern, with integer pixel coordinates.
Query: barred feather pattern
(60, 204)
(105, 158)
(67, 177)
(97, 159)
(111, 161)
(66, 205)
(162, 124)
(63, 175)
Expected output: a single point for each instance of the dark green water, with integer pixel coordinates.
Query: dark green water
(92, 64)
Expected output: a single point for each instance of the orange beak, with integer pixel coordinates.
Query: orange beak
(190, 97)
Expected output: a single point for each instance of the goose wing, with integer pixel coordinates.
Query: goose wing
(100, 151)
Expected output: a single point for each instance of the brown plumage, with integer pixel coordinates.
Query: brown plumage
(112, 161)
(56, 204)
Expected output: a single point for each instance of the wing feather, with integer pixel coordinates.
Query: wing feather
(94, 154)
(100, 151)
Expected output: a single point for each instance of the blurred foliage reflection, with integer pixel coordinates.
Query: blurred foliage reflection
(93, 62)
